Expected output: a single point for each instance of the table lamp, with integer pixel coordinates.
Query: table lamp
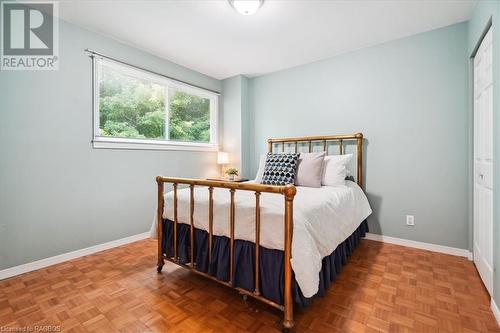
(222, 159)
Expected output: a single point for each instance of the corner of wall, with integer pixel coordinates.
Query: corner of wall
(236, 122)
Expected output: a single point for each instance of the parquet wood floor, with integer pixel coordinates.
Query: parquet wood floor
(384, 288)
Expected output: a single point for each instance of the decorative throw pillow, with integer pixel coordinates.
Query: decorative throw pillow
(310, 169)
(335, 169)
(280, 169)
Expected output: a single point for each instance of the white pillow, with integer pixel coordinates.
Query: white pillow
(335, 169)
(310, 169)
(262, 165)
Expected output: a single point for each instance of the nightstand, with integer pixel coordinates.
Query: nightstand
(235, 180)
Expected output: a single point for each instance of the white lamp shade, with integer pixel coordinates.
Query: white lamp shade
(222, 157)
(246, 7)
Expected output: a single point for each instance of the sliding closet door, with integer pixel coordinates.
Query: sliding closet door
(483, 161)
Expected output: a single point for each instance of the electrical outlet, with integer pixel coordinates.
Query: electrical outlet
(410, 220)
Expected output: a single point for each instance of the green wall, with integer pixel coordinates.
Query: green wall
(409, 98)
(57, 194)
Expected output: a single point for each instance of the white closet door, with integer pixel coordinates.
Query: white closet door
(483, 161)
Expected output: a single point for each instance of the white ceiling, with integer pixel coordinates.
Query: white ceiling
(210, 37)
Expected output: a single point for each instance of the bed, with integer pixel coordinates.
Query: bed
(282, 245)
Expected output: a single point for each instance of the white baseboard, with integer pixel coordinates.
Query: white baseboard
(16, 270)
(495, 310)
(421, 245)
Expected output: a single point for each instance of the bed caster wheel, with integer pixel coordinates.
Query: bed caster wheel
(159, 268)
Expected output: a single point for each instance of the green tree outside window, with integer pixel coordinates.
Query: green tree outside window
(130, 107)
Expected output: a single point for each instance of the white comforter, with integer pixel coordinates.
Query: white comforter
(323, 218)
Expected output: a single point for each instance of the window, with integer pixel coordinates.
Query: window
(136, 109)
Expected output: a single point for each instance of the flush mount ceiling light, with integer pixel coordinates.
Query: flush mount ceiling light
(246, 7)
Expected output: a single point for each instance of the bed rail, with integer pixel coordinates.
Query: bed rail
(288, 193)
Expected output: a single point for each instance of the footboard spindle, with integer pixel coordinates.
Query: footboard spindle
(257, 243)
(210, 221)
(175, 222)
(191, 222)
(231, 256)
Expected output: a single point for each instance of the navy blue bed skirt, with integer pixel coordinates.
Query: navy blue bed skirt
(271, 261)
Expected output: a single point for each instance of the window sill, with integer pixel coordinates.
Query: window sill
(133, 144)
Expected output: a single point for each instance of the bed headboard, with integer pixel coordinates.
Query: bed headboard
(325, 140)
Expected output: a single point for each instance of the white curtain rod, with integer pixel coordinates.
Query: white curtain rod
(94, 53)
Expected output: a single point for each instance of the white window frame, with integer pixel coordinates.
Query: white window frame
(99, 141)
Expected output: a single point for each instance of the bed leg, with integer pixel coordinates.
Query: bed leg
(287, 326)
(159, 226)
(288, 323)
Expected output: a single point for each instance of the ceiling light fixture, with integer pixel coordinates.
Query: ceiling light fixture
(246, 7)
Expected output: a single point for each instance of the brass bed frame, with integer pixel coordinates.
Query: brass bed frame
(288, 193)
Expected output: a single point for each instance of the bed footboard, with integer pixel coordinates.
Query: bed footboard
(288, 193)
